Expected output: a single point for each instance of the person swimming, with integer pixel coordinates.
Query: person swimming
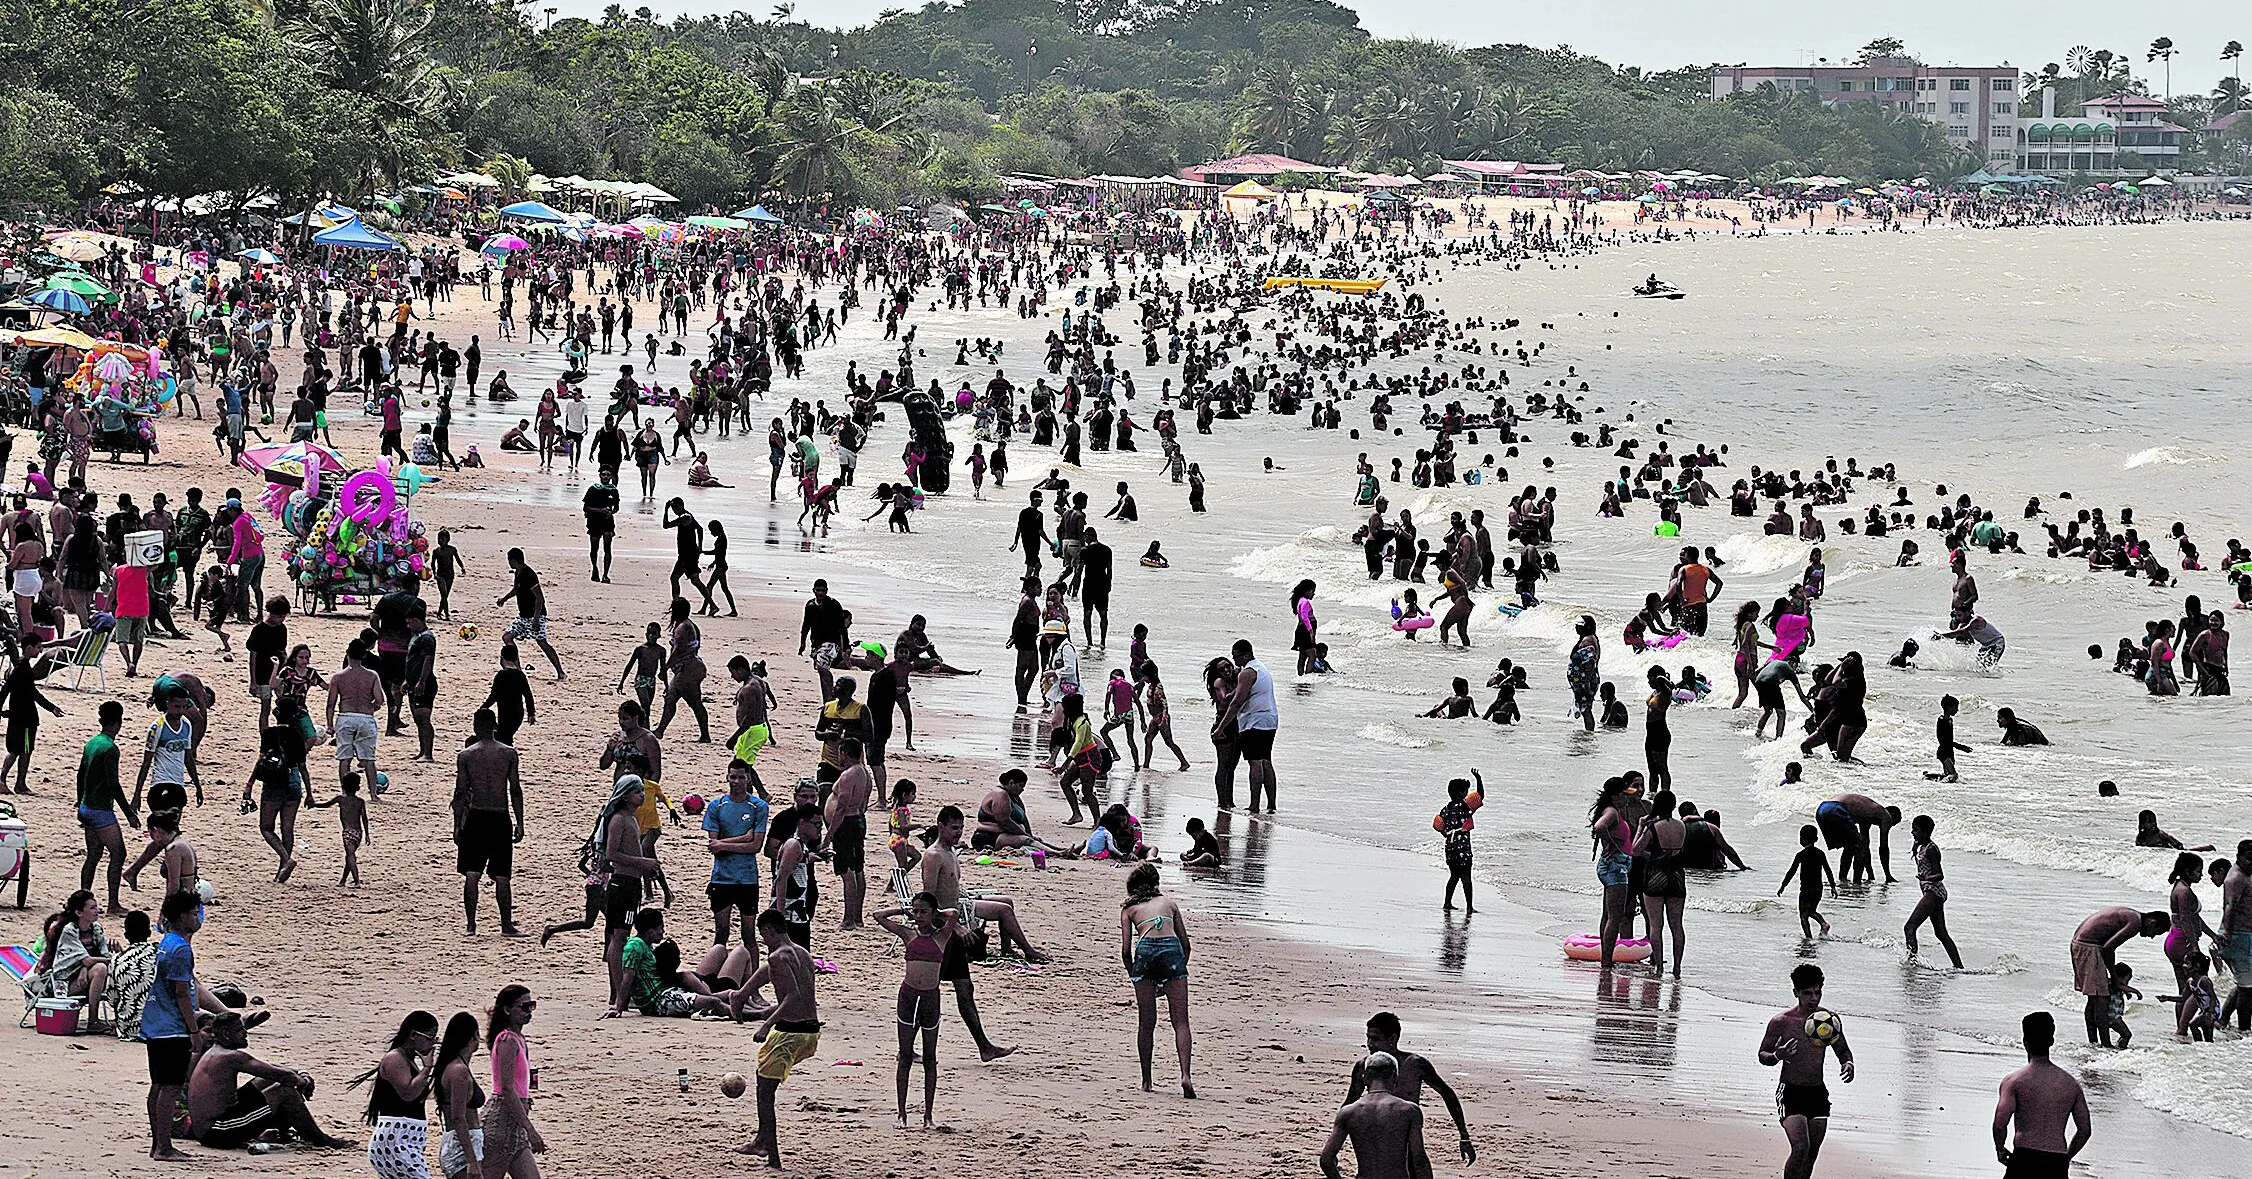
(1154, 559)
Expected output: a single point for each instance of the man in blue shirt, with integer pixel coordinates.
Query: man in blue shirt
(735, 830)
(168, 1019)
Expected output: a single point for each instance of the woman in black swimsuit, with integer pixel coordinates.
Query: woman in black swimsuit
(1665, 886)
(1657, 735)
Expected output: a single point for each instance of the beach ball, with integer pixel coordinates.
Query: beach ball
(1824, 1027)
(693, 804)
(468, 630)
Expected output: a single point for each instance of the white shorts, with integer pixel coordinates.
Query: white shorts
(355, 736)
(451, 1160)
(28, 583)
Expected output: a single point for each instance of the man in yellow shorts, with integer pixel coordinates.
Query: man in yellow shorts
(791, 1033)
(753, 702)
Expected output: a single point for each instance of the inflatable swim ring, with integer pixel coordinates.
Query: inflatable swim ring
(1418, 622)
(1588, 947)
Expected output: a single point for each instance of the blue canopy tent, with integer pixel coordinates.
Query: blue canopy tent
(534, 211)
(352, 235)
(759, 214)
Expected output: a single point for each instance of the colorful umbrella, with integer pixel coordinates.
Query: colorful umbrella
(56, 336)
(260, 255)
(57, 299)
(504, 243)
(291, 463)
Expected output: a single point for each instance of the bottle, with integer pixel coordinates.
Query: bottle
(684, 1080)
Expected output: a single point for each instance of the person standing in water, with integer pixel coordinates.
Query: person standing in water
(1931, 904)
(2040, 1098)
(1251, 705)
(1308, 631)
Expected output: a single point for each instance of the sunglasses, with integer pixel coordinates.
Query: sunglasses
(528, 1005)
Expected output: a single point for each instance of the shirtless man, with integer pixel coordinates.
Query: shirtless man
(1024, 638)
(488, 788)
(1802, 1100)
(1415, 1072)
(791, 1032)
(1386, 1131)
(754, 702)
(355, 699)
(1001, 821)
(2040, 1097)
(227, 1116)
(1862, 813)
(2095, 946)
(942, 878)
(847, 816)
(2233, 940)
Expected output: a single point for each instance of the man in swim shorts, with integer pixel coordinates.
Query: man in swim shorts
(791, 1033)
(2040, 1097)
(753, 700)
(226, 1115)
(2234, 944)
(1802, 1100)
(2095, 946)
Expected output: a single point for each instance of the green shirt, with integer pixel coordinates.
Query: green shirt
(642, 961)
(98, 787)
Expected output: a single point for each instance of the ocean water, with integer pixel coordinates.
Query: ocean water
(2110, 363)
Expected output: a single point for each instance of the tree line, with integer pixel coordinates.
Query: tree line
(311, 98)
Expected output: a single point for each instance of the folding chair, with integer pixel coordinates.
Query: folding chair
(92, 648)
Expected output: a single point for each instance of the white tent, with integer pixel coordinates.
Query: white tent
(2159, 181)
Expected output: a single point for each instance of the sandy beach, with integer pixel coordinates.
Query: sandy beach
(1562, 1071)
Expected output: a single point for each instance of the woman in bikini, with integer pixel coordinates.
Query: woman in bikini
(1153, 941)
(1665, 886)
(1614, 863)
(926, 934)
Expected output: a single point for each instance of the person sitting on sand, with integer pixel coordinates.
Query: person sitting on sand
(646, 984)
(473, 461)
(700, 472)
(516, 439)
(226, 1114)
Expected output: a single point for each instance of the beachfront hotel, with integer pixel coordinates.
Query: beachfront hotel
(1977, 105)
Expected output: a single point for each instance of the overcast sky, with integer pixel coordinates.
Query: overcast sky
(1660, 35)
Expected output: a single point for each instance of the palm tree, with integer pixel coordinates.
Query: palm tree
(378, 53)
(817, 143)
(2234, 52)
(2163, 50)
(1274, 109)
(2228, 96)
(513, 172)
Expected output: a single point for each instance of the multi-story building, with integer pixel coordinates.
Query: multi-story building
(2118, 135)
(1975, 105)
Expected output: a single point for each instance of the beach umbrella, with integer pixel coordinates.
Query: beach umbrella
(288, 461)
(57, 299)
(533, 211)
(260, 255)
(352, 235)
(77, 282)
(1590, 190)
(504, 243)
(58, 336)
(76, 248)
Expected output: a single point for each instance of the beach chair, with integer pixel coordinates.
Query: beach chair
(20, 962)
(92, 648)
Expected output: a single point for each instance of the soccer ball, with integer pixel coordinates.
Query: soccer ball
(732, 1084)
(426, 403)
(1824, 1028)
(468, 630)
(693, 804)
